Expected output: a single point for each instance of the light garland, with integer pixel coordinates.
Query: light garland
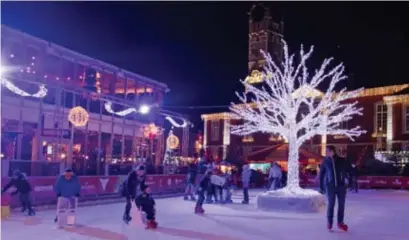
(42, 92)
(218, 116)
(108, 108)
(175, 124)
(276, 110)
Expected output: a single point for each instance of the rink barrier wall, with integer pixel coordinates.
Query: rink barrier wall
(99, 187)
(94, 187)
(366, 182)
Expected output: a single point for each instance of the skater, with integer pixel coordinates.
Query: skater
(132, 189)
(68, 189)
(146, 204)
(227, 188)
(274, 177)
(23, 188)
(245, 179)
(203, 186)
(212, 189)
(354, 178)
(333, 176)
(190, 182)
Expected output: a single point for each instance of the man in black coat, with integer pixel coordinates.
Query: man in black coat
(132, 189)
(334, 177)
(204, 184)
(23, 188)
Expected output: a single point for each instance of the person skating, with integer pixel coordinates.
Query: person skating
(132, 189)
(190, 182)
(333, 177)
(202, 188)
(227, 188)
(23, 188)
(275, 175)
(67, 189)
(146, 204)
(212, 189)
(245, 179)
(354, 178)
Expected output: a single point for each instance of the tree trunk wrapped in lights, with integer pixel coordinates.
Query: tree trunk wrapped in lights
(288, 88)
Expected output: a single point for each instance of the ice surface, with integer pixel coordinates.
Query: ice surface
(372, 215)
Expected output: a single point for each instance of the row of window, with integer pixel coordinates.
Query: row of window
(31, 63)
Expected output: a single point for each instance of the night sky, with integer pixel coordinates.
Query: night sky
(200, 49)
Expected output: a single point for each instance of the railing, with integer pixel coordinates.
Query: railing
(47, 168)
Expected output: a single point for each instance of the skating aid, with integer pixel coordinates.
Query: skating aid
(66, 212)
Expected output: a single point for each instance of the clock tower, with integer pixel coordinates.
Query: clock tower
(264, 34)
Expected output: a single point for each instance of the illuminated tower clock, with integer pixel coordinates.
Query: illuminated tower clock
(266, 35)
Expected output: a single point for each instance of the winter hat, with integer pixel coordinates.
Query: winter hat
(141, 168)
(68, 170)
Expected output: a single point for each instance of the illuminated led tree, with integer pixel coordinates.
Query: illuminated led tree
(289, 105)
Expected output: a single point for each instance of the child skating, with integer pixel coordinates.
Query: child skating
(146, 204)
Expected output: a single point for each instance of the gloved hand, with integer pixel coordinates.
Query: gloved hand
(58, 195)
(77, 195)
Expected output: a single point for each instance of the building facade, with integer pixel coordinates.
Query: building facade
(385, 119)
(59, 106)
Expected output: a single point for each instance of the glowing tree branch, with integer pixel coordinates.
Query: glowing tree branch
(289, 105)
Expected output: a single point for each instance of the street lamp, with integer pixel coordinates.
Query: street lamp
(144, 109)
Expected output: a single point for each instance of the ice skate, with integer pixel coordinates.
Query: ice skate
(192, 198)
(245, 202)
(343, 227)
(199, 210)
(127, 219)
(329, 227)
(185, 198)
(151, 224)
(31, 213)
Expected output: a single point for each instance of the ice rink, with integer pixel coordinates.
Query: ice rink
(372, 215)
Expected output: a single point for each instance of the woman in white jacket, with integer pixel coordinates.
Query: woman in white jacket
(275, 176)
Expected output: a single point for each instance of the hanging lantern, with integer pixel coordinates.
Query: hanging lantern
(78, 116)
(172, 141)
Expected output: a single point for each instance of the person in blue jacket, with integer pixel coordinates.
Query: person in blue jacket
(67, 188)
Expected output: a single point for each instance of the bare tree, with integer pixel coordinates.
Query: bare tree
(288, 104)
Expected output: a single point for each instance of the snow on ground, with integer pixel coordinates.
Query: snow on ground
(372, 215)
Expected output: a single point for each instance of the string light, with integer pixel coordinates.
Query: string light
(42, 92)
(277, 110)
(175, 124)
(108, 108)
